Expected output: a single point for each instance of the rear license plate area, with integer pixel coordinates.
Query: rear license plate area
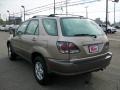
(93, 48)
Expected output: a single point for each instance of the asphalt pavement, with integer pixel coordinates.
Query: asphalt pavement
(18, 75)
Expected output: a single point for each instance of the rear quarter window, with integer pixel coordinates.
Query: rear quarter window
(50, 26)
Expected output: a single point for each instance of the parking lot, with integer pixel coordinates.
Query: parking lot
(18, 75)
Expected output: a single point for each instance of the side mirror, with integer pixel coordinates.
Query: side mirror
(12, 31)
(19, 33)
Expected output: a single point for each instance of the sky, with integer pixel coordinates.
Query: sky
(95, 10)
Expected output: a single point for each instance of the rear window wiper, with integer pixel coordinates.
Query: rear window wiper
(86, 35)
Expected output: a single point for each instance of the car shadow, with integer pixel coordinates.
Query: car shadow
(60, 82)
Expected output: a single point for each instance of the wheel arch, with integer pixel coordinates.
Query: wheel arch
(35, 54)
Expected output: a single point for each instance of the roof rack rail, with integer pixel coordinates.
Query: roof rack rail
(34, 16)
(53, 15)
(39, 16)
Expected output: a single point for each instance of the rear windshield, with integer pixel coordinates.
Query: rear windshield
(75, 26)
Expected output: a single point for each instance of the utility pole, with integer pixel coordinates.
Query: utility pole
(114, 13)
(106, 13)
(8, 16)
(24, 11)
(66, 7)
(54, 6)
(14, 18)
(21, 14)
(86, 11)
(115, 1)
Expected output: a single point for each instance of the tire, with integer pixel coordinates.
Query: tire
(40, 71)
(109, 31)
(12, 55)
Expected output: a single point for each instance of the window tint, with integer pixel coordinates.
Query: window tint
(22, 28)
(32, 27)
(50, 26)
(75, 26)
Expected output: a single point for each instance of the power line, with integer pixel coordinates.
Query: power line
(63, 5)
(50, 6)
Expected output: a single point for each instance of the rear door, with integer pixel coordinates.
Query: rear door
(30, 37)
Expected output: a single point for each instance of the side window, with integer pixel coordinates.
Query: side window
(50, 26)
(23, 27)
(32, 27)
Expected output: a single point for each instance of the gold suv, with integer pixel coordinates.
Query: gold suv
(67, 45)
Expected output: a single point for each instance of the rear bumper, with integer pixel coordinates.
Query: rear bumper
(78, 66)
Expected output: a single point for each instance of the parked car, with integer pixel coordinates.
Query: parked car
(117, 26)
(2, 28)
(64, 45)
(14, 27)
(7, 28)
(110, 29)
(103, 27)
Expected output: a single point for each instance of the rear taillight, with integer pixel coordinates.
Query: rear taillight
(67, 47)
